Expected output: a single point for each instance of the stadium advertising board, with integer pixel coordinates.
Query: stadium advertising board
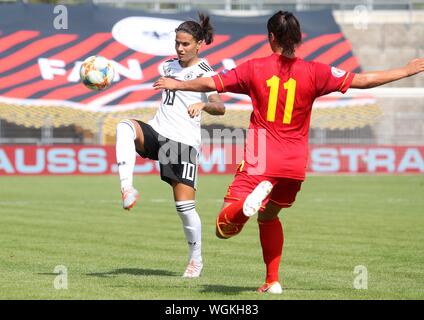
(214, 159)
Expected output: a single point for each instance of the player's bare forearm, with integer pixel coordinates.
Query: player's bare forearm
(378, 78)
(199, 84)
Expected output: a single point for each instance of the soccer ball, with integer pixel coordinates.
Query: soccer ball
(97, 73)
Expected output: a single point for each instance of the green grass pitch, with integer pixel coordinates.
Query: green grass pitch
(337, 223)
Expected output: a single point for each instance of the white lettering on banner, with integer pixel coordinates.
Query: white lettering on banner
(74, 75)
(23, 168)
(381, 158)
(217, 156)
(133, 71)
(144, 168)
(92, 160)
(5, 164)
(412, 159)
(51, 67)
(376, 159)
(99, 160)
(138, 168)
(61, 160)
(353, 155)
(325, 160)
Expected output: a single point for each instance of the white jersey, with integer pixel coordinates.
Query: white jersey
(172, 119)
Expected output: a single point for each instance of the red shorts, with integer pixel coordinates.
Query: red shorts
(283, 193)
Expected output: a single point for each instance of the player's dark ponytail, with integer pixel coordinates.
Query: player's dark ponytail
(207, 28)
(286, 29)
(200, 31)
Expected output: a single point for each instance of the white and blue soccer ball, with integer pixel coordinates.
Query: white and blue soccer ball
(97, 73)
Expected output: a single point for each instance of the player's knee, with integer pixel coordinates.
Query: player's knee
(126, 127)
(218, 234)
(266, 217)
(270, 212)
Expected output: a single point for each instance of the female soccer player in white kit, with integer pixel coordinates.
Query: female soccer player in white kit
(173, 136)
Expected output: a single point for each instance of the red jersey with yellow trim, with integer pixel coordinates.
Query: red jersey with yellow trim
(282, 91)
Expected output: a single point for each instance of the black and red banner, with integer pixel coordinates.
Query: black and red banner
(39, 62)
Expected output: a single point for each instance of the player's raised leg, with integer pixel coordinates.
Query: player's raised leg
(253, 202)
(128, 133)
(231, 219)
(185, 204)
(236, 211)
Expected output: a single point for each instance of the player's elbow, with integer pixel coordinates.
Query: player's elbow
(215, 106)
(218, 109)
(221, 109)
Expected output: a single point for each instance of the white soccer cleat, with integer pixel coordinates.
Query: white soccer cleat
(193, 270)
(129, 197)
(274, 288)
(253, 202)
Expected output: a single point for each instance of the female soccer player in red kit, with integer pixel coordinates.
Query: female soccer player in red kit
(282, 88)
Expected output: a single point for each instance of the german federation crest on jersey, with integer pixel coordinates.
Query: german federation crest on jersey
(172, 119)
(189, 76)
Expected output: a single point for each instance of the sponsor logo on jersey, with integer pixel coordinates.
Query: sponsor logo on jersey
(338, 73)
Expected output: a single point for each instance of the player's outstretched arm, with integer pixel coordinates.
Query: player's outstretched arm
(200, 84)
(378, 78)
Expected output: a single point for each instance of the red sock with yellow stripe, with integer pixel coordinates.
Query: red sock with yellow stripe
(272, 239)
(234, 212)
(231, 220)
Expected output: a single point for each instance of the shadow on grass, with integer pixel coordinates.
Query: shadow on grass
(48, 274)
(310, 289)
(226, 290)
(134, 272)
(233, 290)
